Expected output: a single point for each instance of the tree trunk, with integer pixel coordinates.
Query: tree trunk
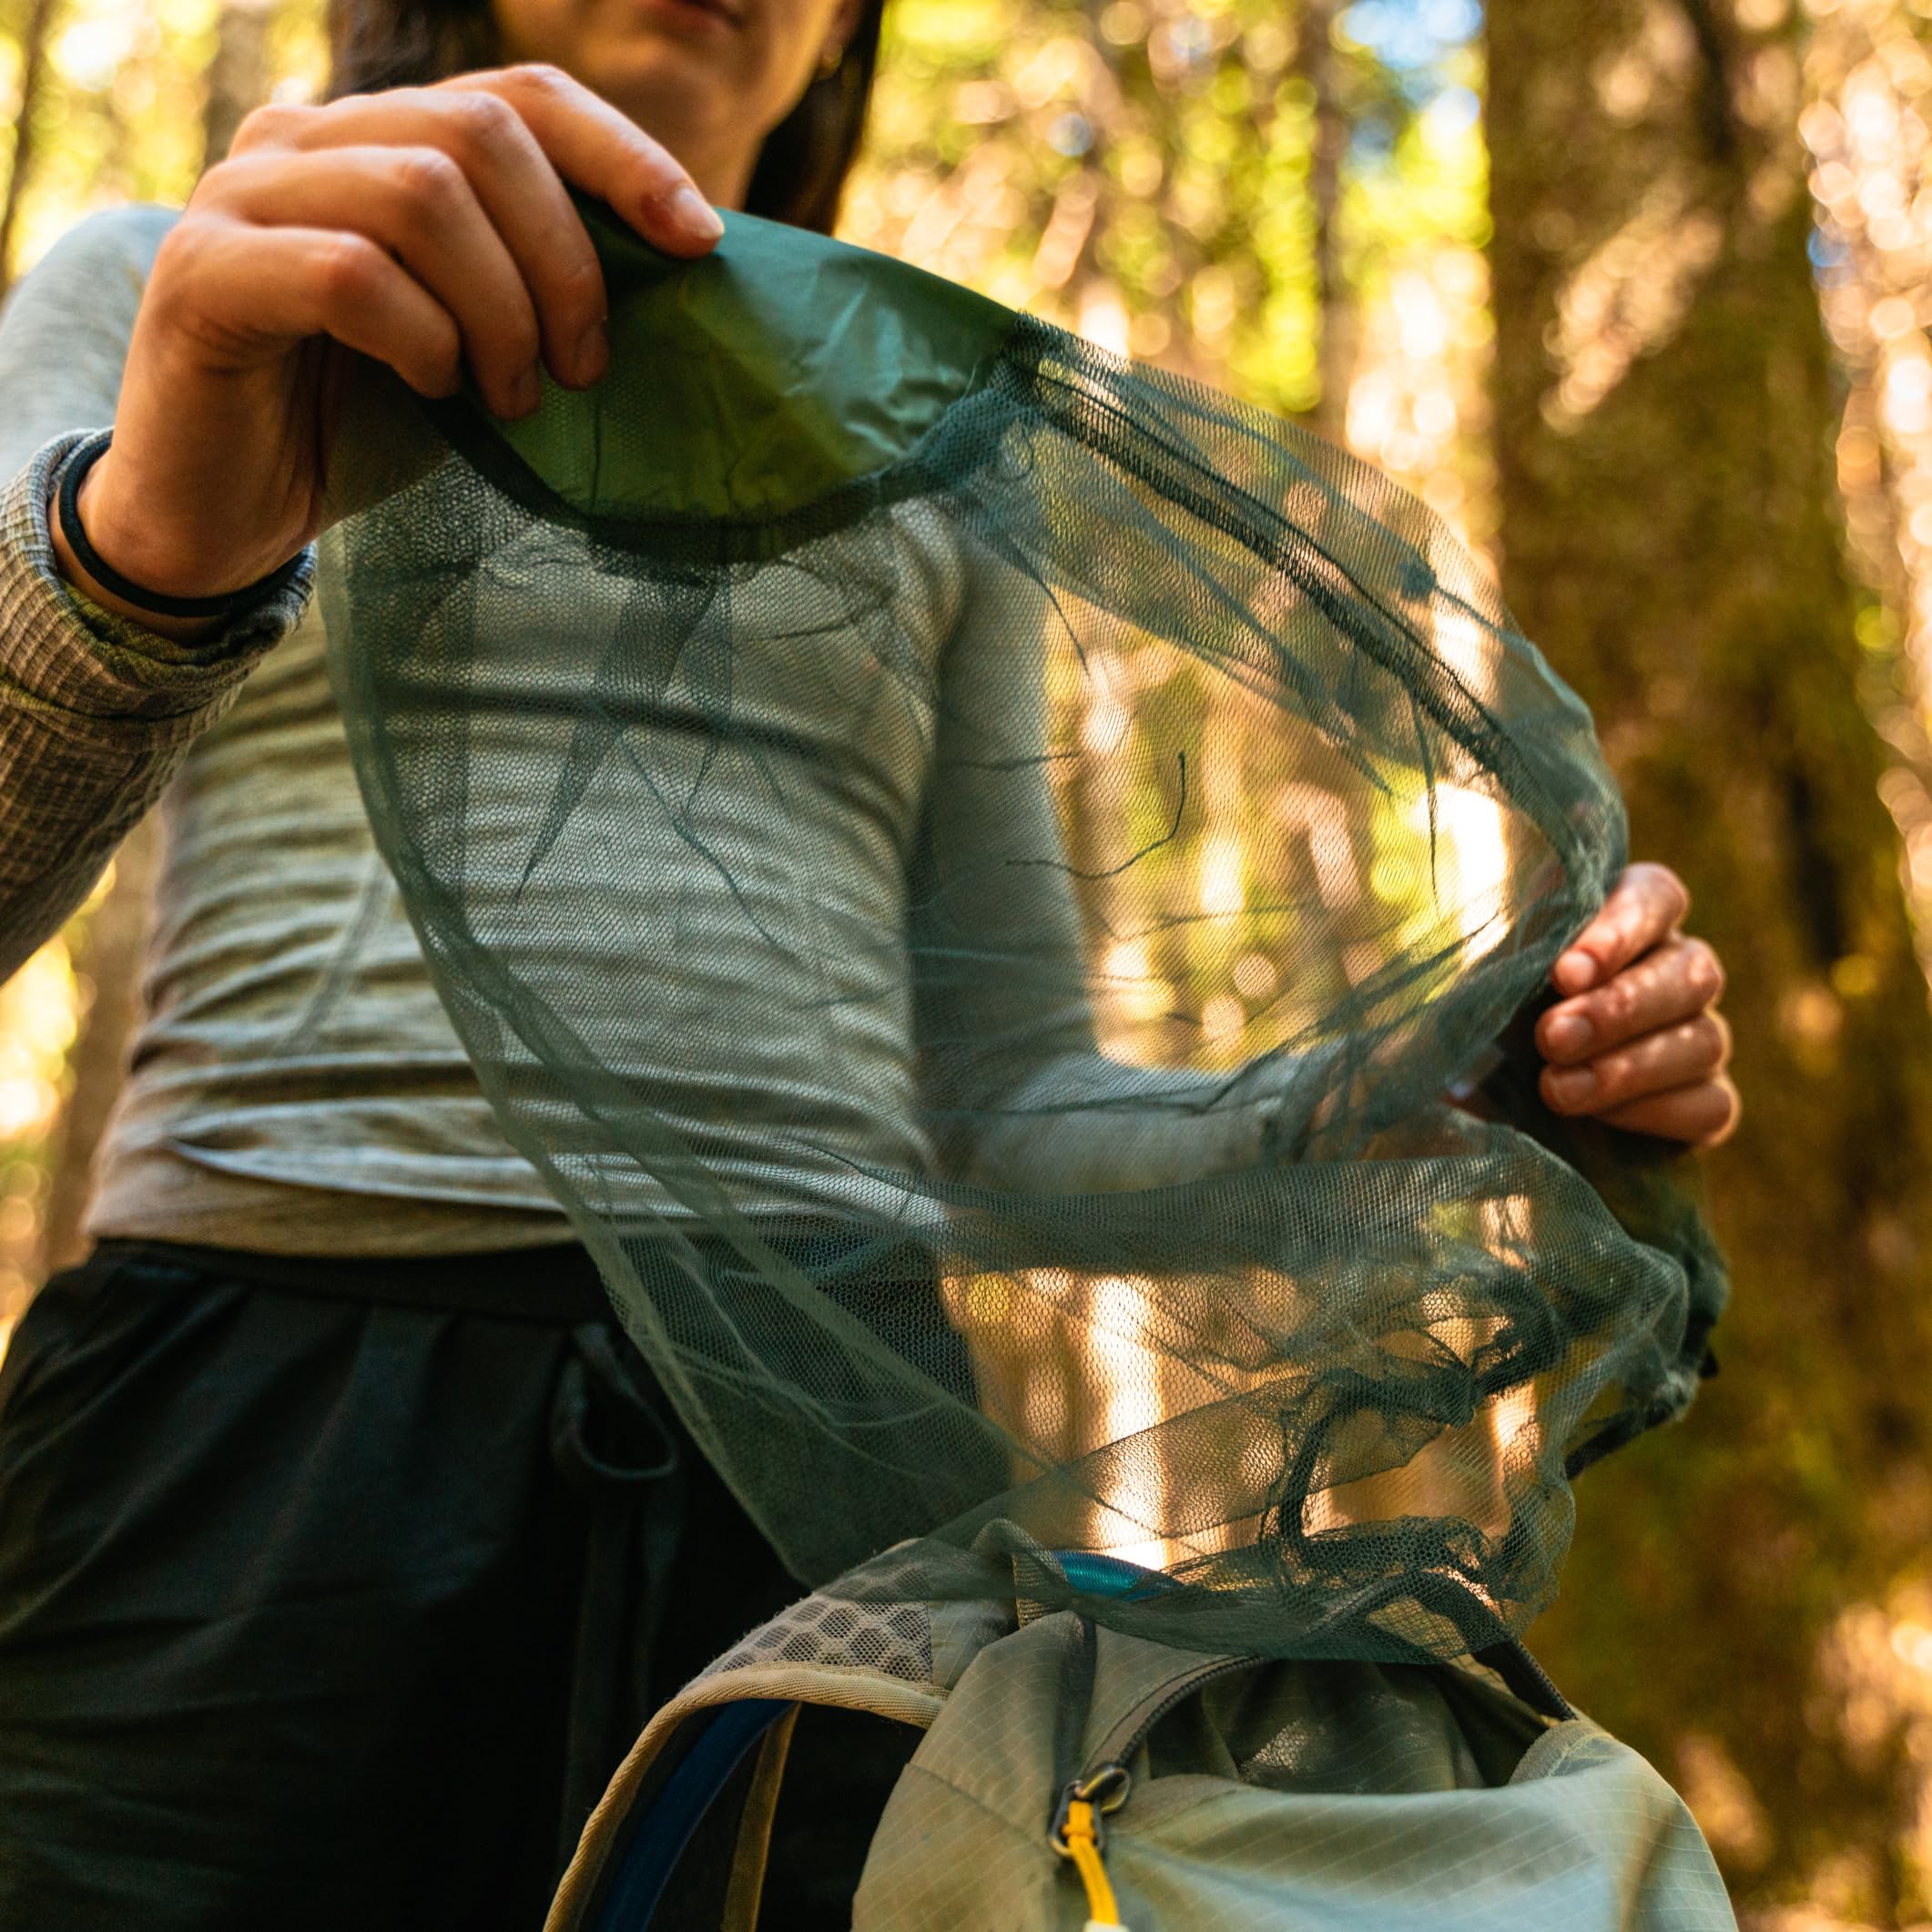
(1665, 421)
(1334, 300)
(34, 38)
(238, 77)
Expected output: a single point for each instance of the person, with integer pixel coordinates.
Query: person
(342, 1541)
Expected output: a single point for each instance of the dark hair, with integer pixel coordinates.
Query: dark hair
(801, 168)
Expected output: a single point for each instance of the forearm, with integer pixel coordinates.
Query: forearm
(1020, 1092)
(96, 711)
(94, 716)
(1084, 1123)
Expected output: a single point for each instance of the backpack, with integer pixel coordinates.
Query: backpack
(1072, 1775)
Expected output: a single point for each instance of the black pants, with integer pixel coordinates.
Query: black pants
(324, 1603)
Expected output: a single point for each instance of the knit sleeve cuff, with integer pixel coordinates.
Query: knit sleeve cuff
(61, 651)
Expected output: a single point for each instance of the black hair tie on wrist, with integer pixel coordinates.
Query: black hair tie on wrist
(80, 460)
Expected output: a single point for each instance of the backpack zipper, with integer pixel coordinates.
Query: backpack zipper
(1077, 1832)
(1077, 1836)
(1131, 1733)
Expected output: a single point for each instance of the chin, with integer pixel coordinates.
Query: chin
(641, 76)
(634, 61)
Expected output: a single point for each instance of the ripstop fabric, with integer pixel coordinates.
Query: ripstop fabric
(1026, 849)
(1237, 1793)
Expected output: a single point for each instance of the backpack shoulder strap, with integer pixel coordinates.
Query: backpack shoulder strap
(729, 1729)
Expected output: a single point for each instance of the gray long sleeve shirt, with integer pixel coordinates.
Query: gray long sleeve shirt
(296, 1085)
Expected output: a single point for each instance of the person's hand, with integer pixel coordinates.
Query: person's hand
(428, 228)
(1637, 1040)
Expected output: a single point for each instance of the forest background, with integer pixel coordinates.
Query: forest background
(1636, 293)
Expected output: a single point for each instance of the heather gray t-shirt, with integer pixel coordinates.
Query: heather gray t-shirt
(296, 1086)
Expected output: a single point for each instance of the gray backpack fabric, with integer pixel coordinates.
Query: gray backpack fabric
(1233, 1792)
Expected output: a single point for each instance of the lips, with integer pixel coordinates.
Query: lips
(728, 10)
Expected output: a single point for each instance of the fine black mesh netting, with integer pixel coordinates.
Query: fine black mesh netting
(973, 869)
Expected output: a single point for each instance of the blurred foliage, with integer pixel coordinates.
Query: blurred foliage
(119, 115)
(39, 1017)
(1667, 408)
(1291, 199)
(1140, 173)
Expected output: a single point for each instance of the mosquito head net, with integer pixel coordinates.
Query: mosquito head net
(973, 869)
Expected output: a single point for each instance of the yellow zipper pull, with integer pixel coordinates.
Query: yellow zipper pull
(1077, 1837)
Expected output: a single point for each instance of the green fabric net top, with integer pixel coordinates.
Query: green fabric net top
(973, 869)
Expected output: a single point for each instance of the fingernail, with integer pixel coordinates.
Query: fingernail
(591, 357)
(693, 213)
(523, 399)
(1569, 1035)
(1578, 967)
(1574, 1087)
